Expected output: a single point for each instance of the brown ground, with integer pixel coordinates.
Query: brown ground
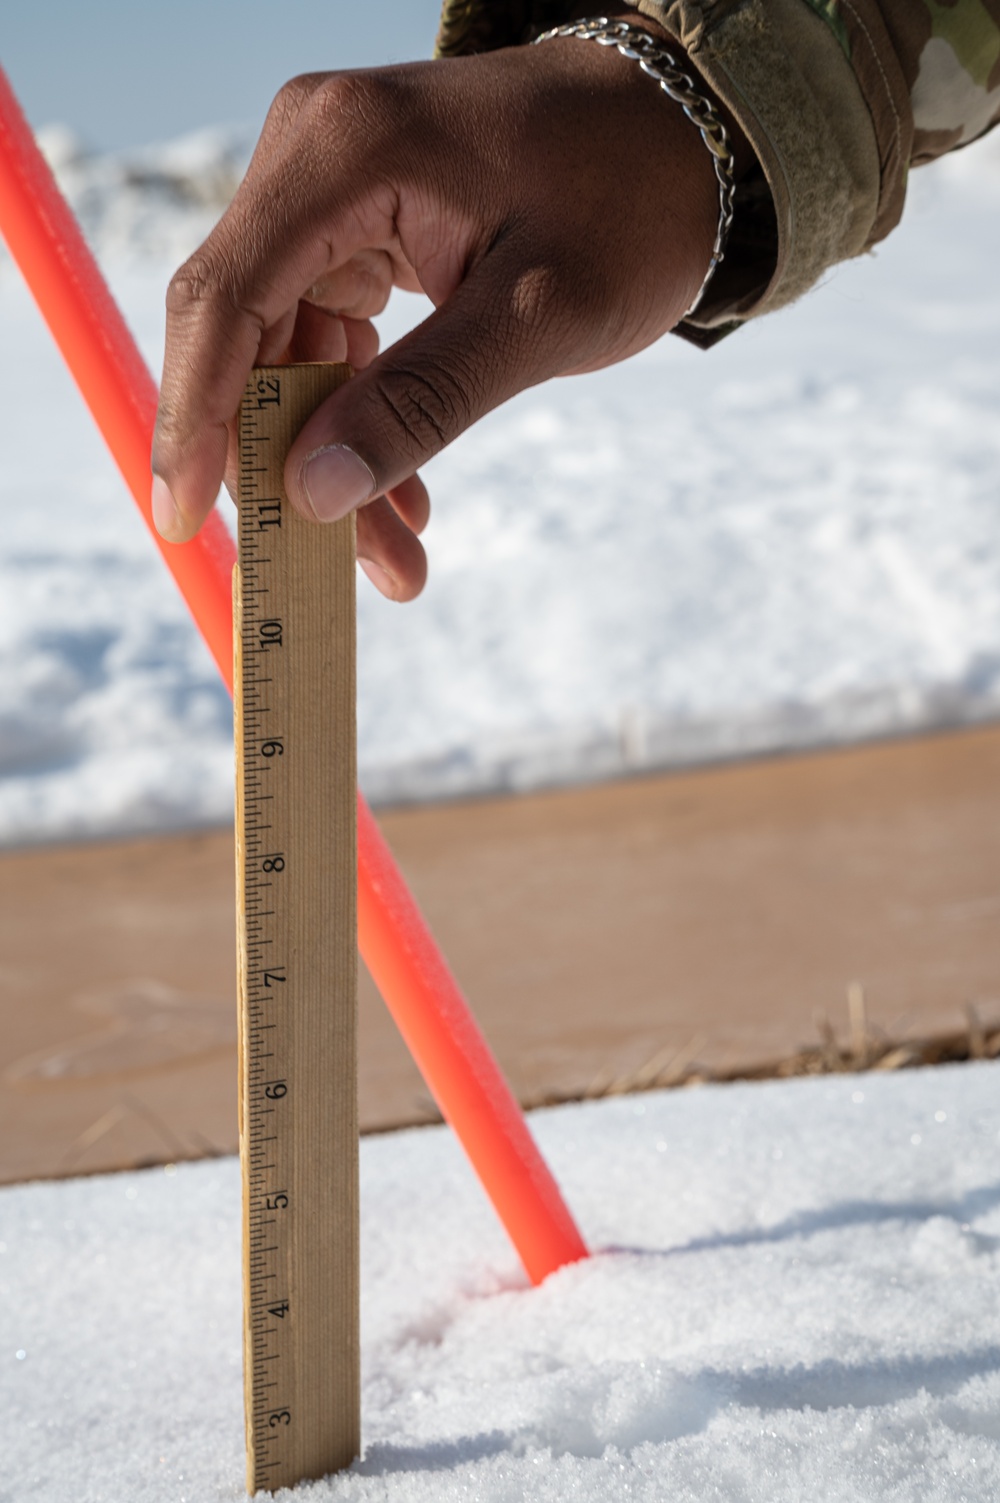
(702, 917)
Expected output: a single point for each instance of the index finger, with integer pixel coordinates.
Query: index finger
(233, 305)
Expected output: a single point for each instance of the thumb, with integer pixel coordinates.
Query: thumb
(494, 336)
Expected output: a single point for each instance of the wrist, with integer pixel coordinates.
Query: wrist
(642, 47)
(744, 157)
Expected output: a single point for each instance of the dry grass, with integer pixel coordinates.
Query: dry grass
(865, 1047)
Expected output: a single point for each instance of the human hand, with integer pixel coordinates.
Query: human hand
(558, 210)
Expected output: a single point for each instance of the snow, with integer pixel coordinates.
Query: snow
(788, 542)
(794, 1296)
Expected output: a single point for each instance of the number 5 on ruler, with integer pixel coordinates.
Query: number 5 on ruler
(296, 864)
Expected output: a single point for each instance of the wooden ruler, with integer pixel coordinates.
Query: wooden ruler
(296, 863)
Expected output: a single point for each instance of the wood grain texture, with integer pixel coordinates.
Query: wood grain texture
(296, 862)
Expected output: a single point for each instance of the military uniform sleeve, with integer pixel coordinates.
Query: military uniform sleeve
(838, 98)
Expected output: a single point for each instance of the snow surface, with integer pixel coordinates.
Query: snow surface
(795, 1297)
(790, 541)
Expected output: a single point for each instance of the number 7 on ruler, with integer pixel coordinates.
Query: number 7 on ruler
(296, 869)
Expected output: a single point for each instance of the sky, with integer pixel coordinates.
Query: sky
(126, 74)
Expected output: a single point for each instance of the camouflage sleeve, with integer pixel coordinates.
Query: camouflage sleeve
(838, 98)
(947, 53)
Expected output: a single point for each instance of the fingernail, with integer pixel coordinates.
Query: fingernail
(336, 481)
(380, 578)
(166, 517)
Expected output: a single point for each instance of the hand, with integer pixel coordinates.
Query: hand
(555, 206)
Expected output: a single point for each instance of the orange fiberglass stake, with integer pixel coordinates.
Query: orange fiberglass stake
(399, 949)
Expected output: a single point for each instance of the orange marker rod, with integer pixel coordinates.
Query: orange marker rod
(455, 1060)
(45, 240)
(409, 970)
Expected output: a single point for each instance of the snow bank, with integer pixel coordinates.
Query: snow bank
(789, 542)
(151, 204)
(795, 1297)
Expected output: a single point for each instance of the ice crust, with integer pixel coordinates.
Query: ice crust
(789, 542)
(794, 1296)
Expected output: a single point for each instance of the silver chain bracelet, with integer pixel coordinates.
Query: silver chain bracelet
(653, 58)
